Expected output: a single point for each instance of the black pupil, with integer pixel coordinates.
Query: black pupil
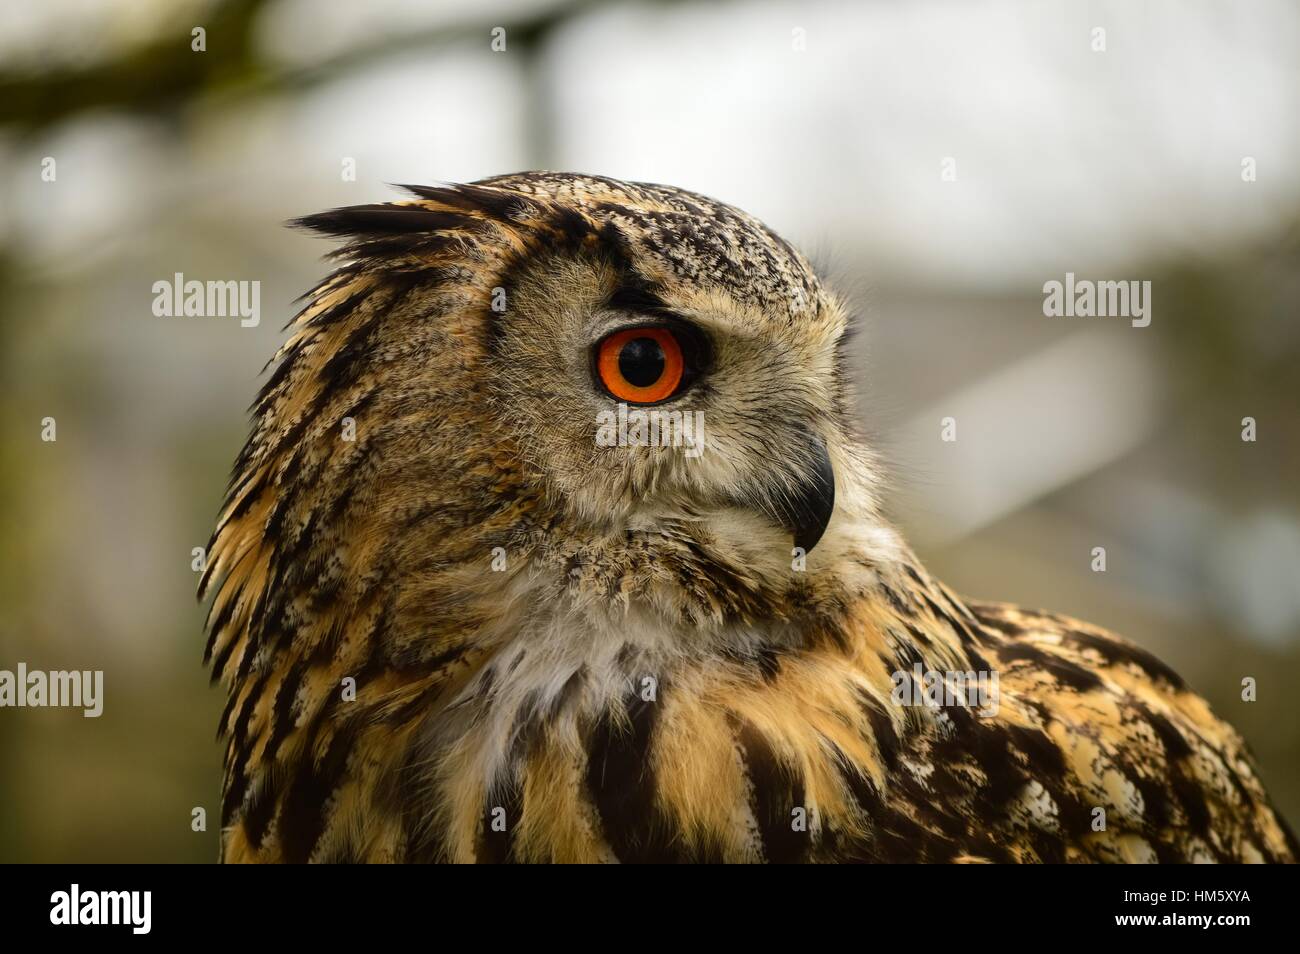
(641, 362)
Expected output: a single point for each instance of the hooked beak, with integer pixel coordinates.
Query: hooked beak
(807, 511)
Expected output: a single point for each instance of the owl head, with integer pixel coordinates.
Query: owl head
(618, 389)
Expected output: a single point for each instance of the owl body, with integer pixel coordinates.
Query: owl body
(473, 631)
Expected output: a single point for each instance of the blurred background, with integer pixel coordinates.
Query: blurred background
(941, 160)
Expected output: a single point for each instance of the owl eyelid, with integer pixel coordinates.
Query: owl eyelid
(687, 331)
(620, 319)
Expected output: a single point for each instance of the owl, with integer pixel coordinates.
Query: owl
(555, 540)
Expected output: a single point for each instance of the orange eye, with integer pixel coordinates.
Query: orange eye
(641, 365)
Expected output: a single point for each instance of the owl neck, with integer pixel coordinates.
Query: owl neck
(561, 620)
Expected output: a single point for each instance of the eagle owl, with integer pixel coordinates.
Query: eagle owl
(455, 624)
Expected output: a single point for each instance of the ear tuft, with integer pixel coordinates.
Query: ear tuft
(379, 219)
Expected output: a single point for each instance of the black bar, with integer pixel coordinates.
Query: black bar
(211, 903)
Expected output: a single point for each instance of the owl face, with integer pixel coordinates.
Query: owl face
(627, 389)
(653, 399)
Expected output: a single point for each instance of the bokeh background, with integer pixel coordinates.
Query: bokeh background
(830, 120)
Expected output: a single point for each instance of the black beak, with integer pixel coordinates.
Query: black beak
(807, 511)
